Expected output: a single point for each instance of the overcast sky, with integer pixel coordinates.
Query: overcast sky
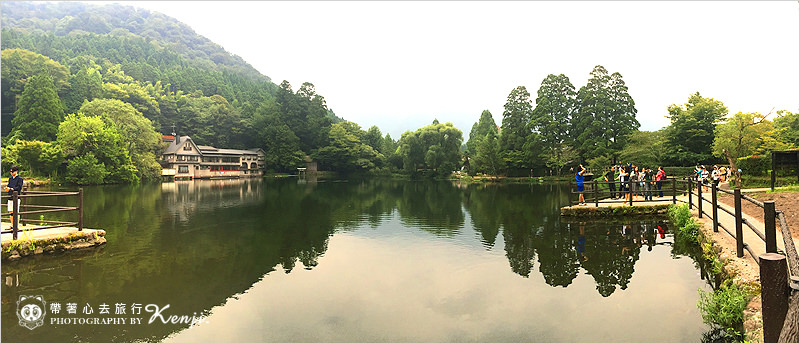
(401, 64)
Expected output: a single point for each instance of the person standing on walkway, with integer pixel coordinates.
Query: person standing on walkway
(704, 178)
(14, 184)
(612, 186)
(648, 184)
(660, 176)
(715, 176)
(723, 174)
(579, 180)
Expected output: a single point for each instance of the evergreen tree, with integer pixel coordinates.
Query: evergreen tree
(590, 124)
(516, 128)
(39, 111)
(556, 104)
(480, 129)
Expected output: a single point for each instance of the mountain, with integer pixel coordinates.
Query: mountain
(75, 18)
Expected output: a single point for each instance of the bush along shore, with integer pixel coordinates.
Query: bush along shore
(724, 307)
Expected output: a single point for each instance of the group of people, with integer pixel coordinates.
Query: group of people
(715, 176)
(633, 181)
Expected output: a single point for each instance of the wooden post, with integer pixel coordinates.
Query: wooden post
(737, 206)
(772, 174)
(596, 197)
(769, 227)
(15, 214)
(714, 216)
(774, 292)
(700, 200)
(80, 209)
(689, 190)
(674, 193)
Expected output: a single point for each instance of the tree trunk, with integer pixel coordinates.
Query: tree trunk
(737, 177)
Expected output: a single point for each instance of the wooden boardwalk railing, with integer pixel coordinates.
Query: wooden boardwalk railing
(22, 208)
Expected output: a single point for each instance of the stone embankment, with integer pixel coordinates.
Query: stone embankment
(49, 241)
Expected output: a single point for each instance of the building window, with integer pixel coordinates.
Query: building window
(253, 165)
(183, 169)
(187, 146)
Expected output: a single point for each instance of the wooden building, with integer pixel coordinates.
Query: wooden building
(184, 159)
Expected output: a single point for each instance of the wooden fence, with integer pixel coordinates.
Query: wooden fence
(21, 208)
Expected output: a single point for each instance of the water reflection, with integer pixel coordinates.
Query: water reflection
(201, 244)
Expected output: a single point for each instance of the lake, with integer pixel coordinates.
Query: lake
(288, 260)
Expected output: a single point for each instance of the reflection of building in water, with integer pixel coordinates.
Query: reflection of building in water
(184, 159)
(185, 198)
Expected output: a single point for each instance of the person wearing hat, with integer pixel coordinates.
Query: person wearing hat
(14, 184)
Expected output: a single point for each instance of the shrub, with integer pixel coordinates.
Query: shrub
(724, 307)
(756, 165)
(86, 170)
(679, 214)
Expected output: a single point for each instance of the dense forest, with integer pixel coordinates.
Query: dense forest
(87, 90)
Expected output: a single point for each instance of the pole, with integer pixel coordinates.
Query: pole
(700, 200)
(80, 209)
(769, 227)
(714, 216)
(737, 205)
(774, 285)
(689, 190)
(630, 190)
(596, 197)
(15, 214)
(674, 192)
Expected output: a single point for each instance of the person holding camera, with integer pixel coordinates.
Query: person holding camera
(579, 180)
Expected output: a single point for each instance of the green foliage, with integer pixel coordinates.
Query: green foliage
(724, 307)
(346, 152)
(80, 135)
(40, 158)
(487, 158)
(38, 112)
(756, 165)
(434, 147)
(137, 135)
(786, 127)
(480, 129)
(516, 128)
(18, 66)
(86, 170)
(606, 115)
(644, 148)
(690, 134)
(679, 215)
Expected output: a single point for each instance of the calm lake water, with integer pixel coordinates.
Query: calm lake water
(359, 261)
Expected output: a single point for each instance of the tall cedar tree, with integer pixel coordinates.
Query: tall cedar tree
(555, 106)
(483, 126)
(516, 128)
(39, 111)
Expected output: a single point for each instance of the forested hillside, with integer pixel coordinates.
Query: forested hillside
(163, 77)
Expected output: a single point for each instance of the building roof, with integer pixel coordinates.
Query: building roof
(175, 147)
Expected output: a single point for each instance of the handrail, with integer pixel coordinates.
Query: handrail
(16, 215)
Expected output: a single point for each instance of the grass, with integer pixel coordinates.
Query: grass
(790, 188)
(724, 307)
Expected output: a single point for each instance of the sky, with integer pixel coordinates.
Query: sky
(401, 64)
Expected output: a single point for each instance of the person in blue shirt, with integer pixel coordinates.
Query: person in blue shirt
(579, 179)
(14, 184)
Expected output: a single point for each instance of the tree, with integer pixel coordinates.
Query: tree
(136, 134)
(435, 147)
(487, 158)
(281, 146)
(39, 111)
(556, 104)
(480, 129)
(744, 134)
(80, 136)
(589, 125)
(86, 84)
(644, 148)
(690, 134)
(18, 66)
(345, 152)
(786, 127)
(622, 121)
(516, 128)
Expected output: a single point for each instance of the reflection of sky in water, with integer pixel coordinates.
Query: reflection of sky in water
(384, 261)
(393, 283)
